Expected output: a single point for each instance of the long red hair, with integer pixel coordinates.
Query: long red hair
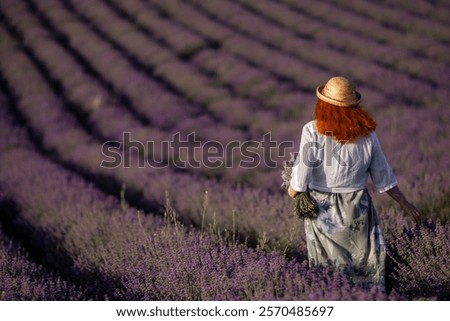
(343, 123)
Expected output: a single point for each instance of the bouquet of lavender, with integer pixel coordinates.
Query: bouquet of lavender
(304, 205)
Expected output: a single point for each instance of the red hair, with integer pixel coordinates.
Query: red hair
(343, 123)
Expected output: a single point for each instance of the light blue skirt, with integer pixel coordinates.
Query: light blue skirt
(347, 235)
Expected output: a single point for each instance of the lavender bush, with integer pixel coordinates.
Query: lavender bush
(23, 279)
(420, 261)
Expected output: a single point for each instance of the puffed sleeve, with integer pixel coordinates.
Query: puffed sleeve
(304, 163)
(381, 173)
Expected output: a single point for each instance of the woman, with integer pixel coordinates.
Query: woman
(338, 151)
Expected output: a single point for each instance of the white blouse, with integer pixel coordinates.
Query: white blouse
(326, 165)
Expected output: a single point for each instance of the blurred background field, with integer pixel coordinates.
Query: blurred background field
(77, 74)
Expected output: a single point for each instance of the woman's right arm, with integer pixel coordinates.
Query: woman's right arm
(409, 208)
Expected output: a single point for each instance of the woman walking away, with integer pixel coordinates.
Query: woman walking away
(339, 149)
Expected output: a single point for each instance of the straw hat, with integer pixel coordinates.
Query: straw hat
(339, 91)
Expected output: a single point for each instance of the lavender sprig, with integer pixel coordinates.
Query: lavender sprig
(286, 173)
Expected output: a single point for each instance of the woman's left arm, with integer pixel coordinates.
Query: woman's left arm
(292, 192)
(304, 163)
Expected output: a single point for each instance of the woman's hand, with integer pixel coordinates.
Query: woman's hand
(407, 207)
(411, 210)
(292, 193)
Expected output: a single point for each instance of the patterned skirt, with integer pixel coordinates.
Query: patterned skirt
(347, 235)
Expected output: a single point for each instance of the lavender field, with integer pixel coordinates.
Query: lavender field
(82, 79)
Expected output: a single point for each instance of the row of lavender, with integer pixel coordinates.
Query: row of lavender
(25, 280)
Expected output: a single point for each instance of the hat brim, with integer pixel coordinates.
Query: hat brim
(335, 102)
